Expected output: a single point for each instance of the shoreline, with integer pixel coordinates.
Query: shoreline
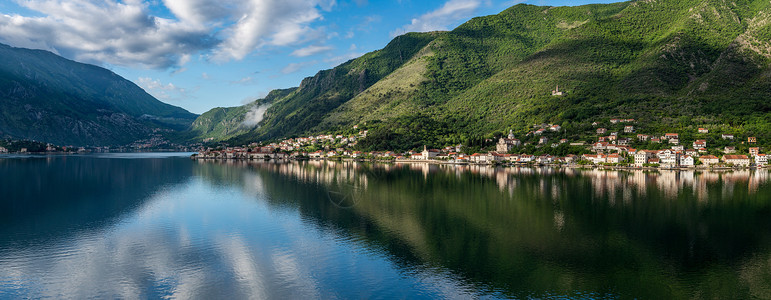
(497, 164)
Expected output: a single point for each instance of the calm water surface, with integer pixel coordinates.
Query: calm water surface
(162, 225)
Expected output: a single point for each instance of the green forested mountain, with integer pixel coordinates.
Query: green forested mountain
(672, 65)
(48, 98)
(224, 122)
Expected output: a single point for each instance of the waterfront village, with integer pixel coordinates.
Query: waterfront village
(609, 148)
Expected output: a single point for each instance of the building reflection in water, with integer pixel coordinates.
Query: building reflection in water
(654, 220)
(618, 187)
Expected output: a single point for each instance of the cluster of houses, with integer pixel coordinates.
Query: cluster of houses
(669, 158)
(610, 148)
(676, 156)
(299, 143)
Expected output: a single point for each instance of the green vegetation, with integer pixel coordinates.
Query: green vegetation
(48, 98)
(673, 66)
(225, 122)
(17, 145)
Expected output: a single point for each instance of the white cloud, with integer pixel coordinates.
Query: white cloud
(126, 33)
(450, 13)
(160, 90)
(310, 50)
(244, 81)
(271, 22)
(104, 32)
(294, 67)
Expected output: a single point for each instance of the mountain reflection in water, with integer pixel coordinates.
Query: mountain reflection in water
(172, 227)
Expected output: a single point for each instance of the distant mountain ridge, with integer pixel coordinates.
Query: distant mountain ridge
(674, 63)
(48, 98)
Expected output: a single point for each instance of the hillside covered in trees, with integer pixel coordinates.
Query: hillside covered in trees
(671, 65)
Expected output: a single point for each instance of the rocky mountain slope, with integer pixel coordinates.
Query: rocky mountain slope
(48, 98)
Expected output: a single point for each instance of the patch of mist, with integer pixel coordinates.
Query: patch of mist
(255, 115)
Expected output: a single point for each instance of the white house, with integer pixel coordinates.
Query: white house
(669, 158)
(613, 158)
(595, 158)
(641, 157)
(687, 161)
(761, 160)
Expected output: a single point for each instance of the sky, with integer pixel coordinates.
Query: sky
(201, 54)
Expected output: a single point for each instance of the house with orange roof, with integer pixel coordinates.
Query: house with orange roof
(709, 160)
(737, 160)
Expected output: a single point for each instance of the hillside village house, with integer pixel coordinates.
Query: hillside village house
(752, 140)
(601, 130)
(3, 150)
(687, 161)
(729, 149)
(613, 158)
(703, 130)
(737, 160)
(754, 151)
(429, 153)
(480, 158)
(641, 157)
(555, 128)
(669, 158)
(727, 136)
(761, 160)
(506, 144)
(595, 158)
(629, 129)
(698, 144)
(709, 160)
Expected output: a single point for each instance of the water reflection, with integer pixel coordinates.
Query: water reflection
(237, 229)
(539, 231)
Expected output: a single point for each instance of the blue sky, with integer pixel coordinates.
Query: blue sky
(200, 54)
